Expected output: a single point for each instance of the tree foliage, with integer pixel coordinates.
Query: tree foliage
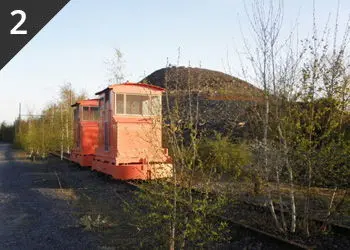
(303, 125)
(52, 131)
(6, 132)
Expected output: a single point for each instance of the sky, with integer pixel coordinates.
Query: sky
(75, 45)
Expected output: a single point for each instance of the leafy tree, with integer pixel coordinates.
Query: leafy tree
(52, 131)
(6, 132)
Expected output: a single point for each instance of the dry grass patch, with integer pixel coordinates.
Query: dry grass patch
(59, 193)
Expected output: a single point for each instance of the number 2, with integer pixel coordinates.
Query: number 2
(15, 30)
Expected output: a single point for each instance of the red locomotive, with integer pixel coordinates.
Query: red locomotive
(129, 144)
(86, 117)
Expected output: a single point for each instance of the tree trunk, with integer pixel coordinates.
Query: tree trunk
(291, 181)
(173, 224)
(307, 202)
(61, 133)
(284, 225)
(266, 124)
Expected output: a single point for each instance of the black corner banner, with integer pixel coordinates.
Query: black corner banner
(21, 20)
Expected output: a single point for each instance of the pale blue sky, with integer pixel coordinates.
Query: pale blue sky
(74, 46)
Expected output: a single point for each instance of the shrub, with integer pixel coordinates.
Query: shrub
(222, 156)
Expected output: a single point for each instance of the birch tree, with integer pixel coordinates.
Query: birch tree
(302, 119)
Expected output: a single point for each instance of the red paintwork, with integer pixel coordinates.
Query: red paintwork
(135, 141)
(85, 135)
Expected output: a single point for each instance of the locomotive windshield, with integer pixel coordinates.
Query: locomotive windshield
(132, 104)
(91, 113)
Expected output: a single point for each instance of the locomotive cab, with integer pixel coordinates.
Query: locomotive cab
(130, 139)
(86, 116)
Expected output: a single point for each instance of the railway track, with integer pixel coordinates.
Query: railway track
(256, 232)
(245, 229)
(335, 227)
(283, 242)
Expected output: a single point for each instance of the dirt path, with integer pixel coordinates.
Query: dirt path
(39, 212)
(30, 220)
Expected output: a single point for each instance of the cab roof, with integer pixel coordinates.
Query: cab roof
(140, 84)
(87, 102)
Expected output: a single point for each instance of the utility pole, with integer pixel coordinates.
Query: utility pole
(61, 133)
(19, 118)
(19, 111)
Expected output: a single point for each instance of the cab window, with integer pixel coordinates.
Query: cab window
(91, 113)
(142, 105)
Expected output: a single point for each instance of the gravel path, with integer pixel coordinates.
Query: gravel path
(32, 216)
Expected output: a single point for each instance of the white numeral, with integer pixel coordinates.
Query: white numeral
(15, 30)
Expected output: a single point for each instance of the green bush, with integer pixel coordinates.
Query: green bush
(6, 132)
(222, 156)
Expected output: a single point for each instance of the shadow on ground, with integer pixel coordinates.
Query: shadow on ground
(55, 205)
